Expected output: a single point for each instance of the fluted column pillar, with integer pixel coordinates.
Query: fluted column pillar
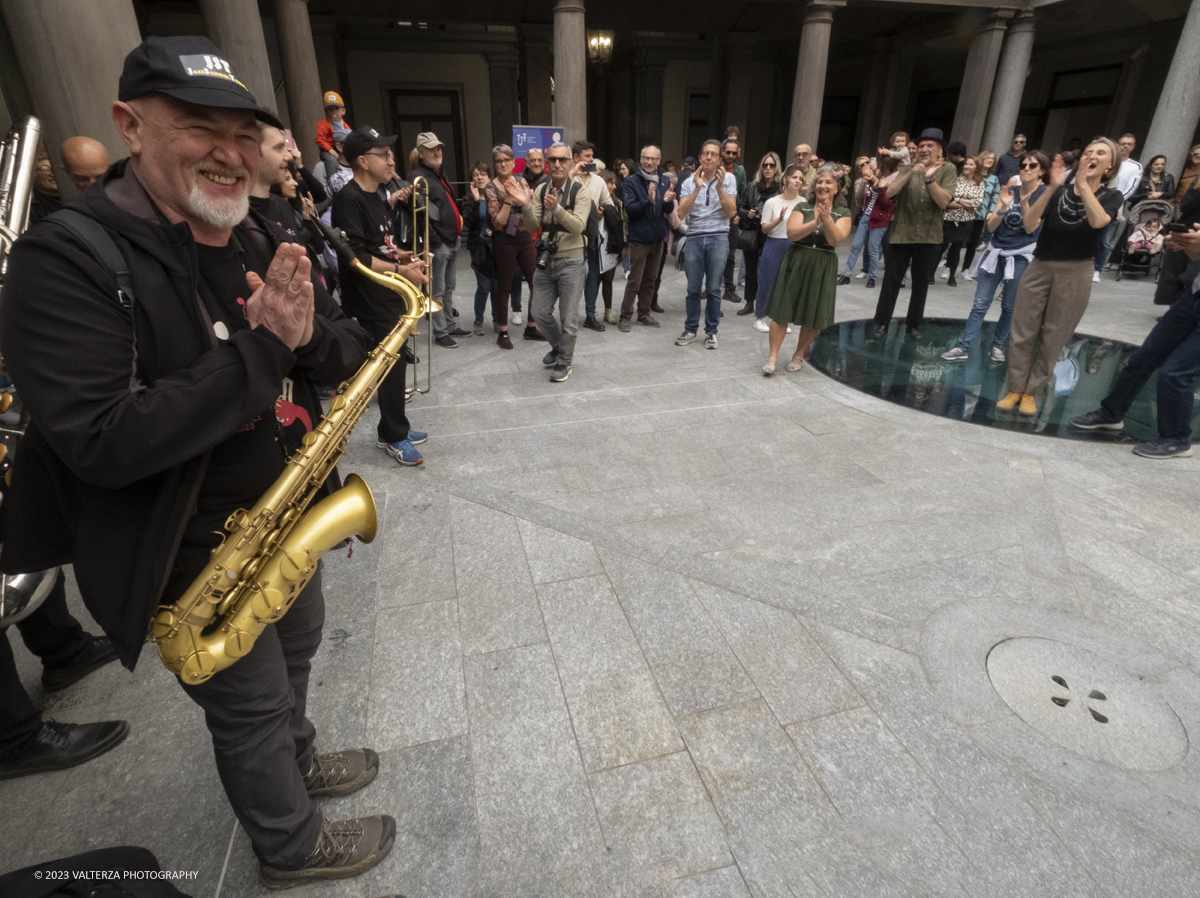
(298, 57)
(71, 53)
(978, 78)
(503, 71)
(809, 93)
(236, 28)
(1010, 84)
(1178, 108)
(570, 70)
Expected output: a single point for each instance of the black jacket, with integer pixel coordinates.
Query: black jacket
(1144, 189)
(108, 473)
(446, 224)
(754, 198)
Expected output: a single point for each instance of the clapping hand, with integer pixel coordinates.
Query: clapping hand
(517, 192)
(652, 190)
(283, 303)
(550, 202)
(824, 207)
(1006, 196)
(669, 196)
(400, 196)
(1058, 171)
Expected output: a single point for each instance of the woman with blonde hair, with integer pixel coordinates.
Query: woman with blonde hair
(805, 289)
(766, 184)
(1054, 293)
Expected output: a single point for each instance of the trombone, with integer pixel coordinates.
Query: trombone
(420, 212)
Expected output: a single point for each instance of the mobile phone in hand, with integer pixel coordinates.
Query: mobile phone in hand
(1177, 227)
(589, 166)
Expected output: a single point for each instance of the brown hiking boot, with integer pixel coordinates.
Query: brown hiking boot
(340, 772)
(344, 849)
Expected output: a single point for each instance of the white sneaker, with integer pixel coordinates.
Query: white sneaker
(762, 325)
(997, 354)
(860, 276)
(965, 276)
(945, 273)
(517, 320)
(789, 330)
(1095, 277)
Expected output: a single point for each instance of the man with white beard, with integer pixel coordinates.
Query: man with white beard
(164, 398)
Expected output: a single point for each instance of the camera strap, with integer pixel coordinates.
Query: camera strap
(567, 201)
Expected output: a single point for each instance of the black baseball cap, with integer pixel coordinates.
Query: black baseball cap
(362, 140)
(189, 69)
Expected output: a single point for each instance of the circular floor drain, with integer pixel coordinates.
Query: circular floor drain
(1087, 704)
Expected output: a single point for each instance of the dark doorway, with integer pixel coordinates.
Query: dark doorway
(414, 111)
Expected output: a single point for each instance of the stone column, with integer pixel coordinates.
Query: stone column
(739, 84)
(298, 57)
(503, 69)
(536, 49)
(236, 28)
(894, 106)
(1010, 84)
(570, 70)
(1127, 85)
(980, 74)
(809, 93)
(1178, 108)
(71, 53)
(649, 105)
(870, 116)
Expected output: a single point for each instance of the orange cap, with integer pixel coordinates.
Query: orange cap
(333, 98)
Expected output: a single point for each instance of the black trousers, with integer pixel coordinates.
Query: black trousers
(731, 260)
(56, 638)
(393, 422)
(255, 710)
(923, 257)
(751, 256)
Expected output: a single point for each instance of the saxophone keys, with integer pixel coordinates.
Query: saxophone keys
(238, 644)
(197, 667)
(294, 565)
(268, 605)
(164, 623)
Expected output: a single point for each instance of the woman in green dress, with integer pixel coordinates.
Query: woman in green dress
(807, 281)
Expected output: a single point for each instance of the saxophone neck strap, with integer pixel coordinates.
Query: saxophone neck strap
(102, 247)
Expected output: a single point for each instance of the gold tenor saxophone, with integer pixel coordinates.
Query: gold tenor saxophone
(272, 550)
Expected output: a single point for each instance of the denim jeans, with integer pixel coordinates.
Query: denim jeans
(484, 287)
(1106, 242)
(591, 286)
(560, 282)
(870, 239)
(985, 292)
(704, 261)
(444, 278)
(1173, 349)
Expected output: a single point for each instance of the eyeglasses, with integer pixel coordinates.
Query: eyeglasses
(504, 161)
(558, 160)
(768, 165)
(387, 155)
(1030, 165)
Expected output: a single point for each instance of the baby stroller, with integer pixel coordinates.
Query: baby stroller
(1142, 259)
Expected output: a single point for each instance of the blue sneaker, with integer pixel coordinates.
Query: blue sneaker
(404, 452)
(1164, 449)
(416, 437)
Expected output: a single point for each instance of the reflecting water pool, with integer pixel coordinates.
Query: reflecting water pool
(912, 372)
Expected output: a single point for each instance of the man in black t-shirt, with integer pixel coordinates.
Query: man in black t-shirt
(367, 221)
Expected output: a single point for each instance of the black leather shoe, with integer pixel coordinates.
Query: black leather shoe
(593, 324)
(58, 746)
(655, 307)
(748, 309)
(842, 280)
(870, 282)
(532, 333)
(96, 655)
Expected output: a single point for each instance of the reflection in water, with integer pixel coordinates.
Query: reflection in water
(912, 372)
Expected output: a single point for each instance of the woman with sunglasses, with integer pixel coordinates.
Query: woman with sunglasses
(506, 196)
(766, 184)
(1006, 257)
(1055, 289)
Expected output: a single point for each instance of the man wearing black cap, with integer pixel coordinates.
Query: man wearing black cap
(365, 218)
(167, 397)
(921, 192)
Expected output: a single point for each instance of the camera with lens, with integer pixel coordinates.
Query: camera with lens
(546, 248)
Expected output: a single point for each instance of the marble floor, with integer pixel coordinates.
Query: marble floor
(673, 628)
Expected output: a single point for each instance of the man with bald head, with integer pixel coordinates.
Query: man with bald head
(179, 428)
(84, 160)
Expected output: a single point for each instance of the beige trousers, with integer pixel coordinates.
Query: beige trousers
(1050, 302)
